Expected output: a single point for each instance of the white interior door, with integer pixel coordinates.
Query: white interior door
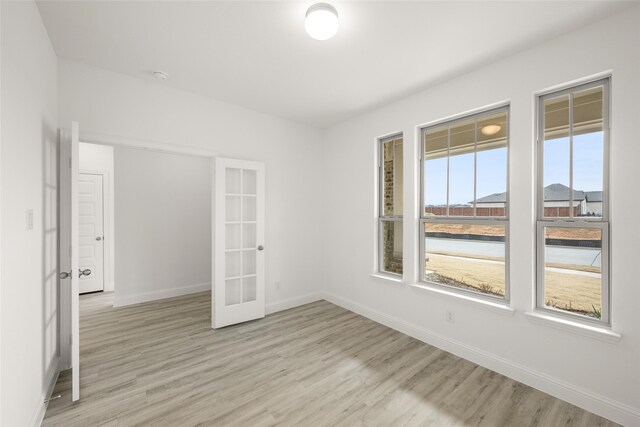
(91, 230)
(238, 293)
(69, 255)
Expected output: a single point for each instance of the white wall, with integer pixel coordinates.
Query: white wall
(603, 377)
(163, 225)
(28, 261)
(113, 104)
(99, 158)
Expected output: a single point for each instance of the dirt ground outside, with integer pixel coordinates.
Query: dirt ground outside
(490, 230)
(569, 291)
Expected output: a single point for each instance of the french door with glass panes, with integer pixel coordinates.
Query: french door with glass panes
(238, 293)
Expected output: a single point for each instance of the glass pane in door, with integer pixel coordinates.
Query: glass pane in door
(249, 208)
(249, 236)
(232, 208)
(249, 262)
(249, 289)
(232, 236)
(248, 182)
(232, 264)
(232, 291)
(232, 181)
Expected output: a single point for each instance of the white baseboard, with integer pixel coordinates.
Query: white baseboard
(293, 302)
(121, 301)
(38, 414)
(593, 402)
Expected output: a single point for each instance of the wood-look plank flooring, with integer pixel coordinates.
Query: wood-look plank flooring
(161, 364)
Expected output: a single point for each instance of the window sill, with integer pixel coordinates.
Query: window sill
(592, 331)
(388, 278)
(496, 307)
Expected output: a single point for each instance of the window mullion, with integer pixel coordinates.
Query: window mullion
(475, 168)
(448, 162)
(571, 155)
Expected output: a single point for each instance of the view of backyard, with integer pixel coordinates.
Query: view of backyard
(466, 204)
(471, 256)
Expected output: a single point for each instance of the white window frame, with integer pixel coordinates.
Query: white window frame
(381, 217)
(603, 223)
(485, 220)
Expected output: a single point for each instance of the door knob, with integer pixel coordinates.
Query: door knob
(98, 238)
(260, 248)
(84, 272)
(64, 275)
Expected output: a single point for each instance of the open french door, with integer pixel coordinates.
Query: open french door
(70, 272)
(238, 285)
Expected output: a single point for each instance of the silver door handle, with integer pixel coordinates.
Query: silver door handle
(260, 248)
(98, 238)
(64, 275)
(84, 272)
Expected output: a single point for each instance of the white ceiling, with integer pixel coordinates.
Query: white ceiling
(257, 54)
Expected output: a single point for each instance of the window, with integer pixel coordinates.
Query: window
(390, 205)
(464, 226)
(572, 209)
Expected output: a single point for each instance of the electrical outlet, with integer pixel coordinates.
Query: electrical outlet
(450, 316)
(278, 285)
(29, 219)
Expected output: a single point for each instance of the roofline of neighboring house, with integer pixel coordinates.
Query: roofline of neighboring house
(501, 197)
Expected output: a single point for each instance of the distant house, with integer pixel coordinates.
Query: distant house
(556, 202)
(594, 202)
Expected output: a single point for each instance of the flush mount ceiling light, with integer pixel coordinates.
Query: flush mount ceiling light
(160, 75)
(321, 21)
(489, 130)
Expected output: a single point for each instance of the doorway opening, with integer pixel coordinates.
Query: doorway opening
(160, 205)
(96, 217)
(144, 223)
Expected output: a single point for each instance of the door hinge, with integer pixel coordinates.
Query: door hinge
(57, 396)
(70, 339)
(69, 162)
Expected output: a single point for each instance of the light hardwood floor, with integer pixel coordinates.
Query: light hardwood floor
(161, 364)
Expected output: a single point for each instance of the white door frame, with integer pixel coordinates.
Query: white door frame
(108, 221)
(163, 147)
(116, 141)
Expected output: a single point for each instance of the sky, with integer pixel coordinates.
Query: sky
(492, 170)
